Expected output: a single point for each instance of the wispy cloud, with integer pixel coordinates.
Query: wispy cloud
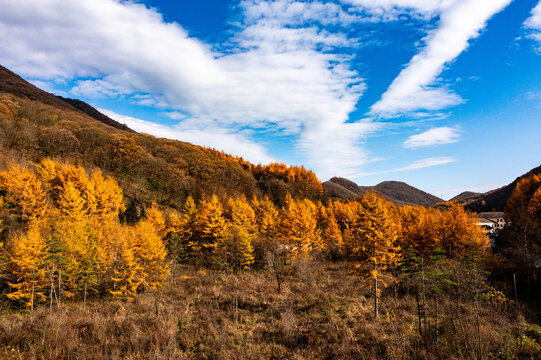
(416, 165)
(533, 23)
(435, 136)
(389, 10)
(48, 86)
(416, 87)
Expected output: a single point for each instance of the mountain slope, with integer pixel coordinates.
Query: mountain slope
(466, 196)
(495, 200)
(35, 124)
(398, 192)
(12, 83)
(91, 111)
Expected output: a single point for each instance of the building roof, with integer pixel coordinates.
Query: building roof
(491, 215)
(483, 221)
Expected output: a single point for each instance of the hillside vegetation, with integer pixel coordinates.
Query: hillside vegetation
(35, 124)
(246, 279)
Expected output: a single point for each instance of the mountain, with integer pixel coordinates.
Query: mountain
(35, 124)
(495, 200)
(466, 196)
(398, 192)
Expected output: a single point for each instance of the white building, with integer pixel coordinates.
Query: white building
(492, 221)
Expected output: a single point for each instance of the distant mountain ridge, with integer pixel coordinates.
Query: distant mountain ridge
(465, 196)
(397, 192)
(494, 200)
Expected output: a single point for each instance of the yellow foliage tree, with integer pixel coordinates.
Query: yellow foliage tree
(237, 249)
(80, 247)
(71, 204)
(211, 227)
(127, 272)
(156, 218)
(28, 261)
(23, 193)
(150, 254)
(377, 248)
(459, 232)
(332, 237)
(181, 230)
(107, 196)
(266, 217)
(298, 227)
(420, 228)
(240, 213)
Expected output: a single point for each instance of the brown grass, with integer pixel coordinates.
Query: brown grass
(217, 315)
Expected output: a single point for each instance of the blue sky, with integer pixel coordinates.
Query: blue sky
(442, 94)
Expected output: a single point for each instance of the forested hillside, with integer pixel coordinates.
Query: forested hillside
(35, 124)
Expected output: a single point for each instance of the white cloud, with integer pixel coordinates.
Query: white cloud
(416, 165)
(390, 9)
(425, 163)
(416, 88)
(280, 69)
(435, 136)
(215, 137)
(293, 12)
(47, 86)
(534, 23)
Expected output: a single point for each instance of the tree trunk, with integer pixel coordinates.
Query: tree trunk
(515, 286)
(437, 325)
(52, 291)
(424, 294)
(480, 354)
(32, 300)
(419, 314)
(59, 285)
(375, 280)
(84, 300)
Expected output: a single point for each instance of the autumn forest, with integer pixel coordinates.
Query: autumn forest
(115, 244)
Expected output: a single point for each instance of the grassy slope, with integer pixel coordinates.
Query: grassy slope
(216, 315)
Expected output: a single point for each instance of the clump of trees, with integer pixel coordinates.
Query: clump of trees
(519, 243)
(65, 239)
(71, 236)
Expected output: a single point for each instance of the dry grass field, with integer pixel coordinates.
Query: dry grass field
(321, 313)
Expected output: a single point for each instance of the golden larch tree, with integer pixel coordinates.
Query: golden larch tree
(107, 196)
(23, 192)
(156, 218)
(127, 272)
(377, 249)
(237, 248)
(28, 260)
(298, 227)
(149, 253)
(211, 227)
